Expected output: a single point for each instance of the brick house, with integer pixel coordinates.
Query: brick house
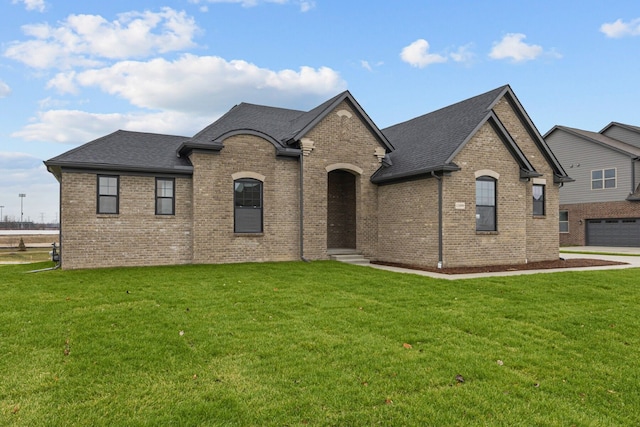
(470, 184)
(602, 206)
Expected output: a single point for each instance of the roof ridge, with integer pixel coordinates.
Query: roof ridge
(498, 91)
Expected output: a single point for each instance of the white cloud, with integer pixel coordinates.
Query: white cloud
(463, 54)
(24, 173)
(512, 47)
(77, 127)
(369, 66)
(305, 5)
(417, 54)
(620, 28)
(203, 84)
(5, 90)
(87, 40)
(38, 5)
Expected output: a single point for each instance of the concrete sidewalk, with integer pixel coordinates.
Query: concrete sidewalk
(631, 256)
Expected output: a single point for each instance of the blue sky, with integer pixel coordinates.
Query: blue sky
(72, 71)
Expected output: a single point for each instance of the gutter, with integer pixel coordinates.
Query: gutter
(440, 238)
(415, 174)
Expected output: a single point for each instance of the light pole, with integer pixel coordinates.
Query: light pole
(22, 196)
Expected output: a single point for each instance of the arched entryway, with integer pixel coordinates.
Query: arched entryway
(341, 210)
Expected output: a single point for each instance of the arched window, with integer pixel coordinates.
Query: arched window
(247, 205)
(486, 218)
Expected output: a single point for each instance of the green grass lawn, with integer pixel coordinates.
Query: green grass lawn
(30, 255)
(319, 343)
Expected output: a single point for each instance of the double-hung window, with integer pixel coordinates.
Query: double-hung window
(247, 205)
(538, 199)
(165, 196)
(603, 178)
(486, 219)
(564, 221)
(108, 194)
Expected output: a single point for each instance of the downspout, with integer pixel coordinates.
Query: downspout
(60, 219)
(302, 207)
(633, 175)
(439, 178)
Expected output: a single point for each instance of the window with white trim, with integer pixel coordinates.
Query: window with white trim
(603, 179)
(564, 221)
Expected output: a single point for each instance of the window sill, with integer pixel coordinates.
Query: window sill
(539, 217)
(487, 233)
(165, 216)
(102, 215)
(248, 234)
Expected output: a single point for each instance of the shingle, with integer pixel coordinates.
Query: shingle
(275, 122)
(428, 141)
(125, 149)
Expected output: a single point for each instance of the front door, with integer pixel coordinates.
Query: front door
(341, 210)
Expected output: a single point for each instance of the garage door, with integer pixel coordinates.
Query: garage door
(613, 232)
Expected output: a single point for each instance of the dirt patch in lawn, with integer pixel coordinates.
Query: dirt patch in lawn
(541, 265)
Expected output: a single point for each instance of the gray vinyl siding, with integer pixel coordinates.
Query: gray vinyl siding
(579, 157)
(624, 135)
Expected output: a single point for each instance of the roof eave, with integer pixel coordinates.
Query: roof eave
(59, 167)
(562, 179)
(424, 173)
(186, 148)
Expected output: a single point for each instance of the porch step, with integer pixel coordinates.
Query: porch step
(350, 256)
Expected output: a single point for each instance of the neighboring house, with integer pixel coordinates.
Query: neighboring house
(468, 185)
(602, 206)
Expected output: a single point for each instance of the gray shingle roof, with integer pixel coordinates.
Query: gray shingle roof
(272, 121)
(428, 142)
(282, 126)
(415, 147)
(124, 150)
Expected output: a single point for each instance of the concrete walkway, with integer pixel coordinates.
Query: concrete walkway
(631, 256)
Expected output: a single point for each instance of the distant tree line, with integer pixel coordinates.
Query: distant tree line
(27, 225)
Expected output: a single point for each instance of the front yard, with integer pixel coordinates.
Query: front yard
(316, 344)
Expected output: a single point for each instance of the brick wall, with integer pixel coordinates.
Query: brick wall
(135, 236)
(408, 222)
(214, 238)
(463, 246)
(579, 213)
(542, 232)
(408, 213)
(340, 138)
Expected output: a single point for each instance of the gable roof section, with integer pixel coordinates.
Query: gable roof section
(125, 151)
(631, 128)
(282, 127)
(598, 138)
(428, 143)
